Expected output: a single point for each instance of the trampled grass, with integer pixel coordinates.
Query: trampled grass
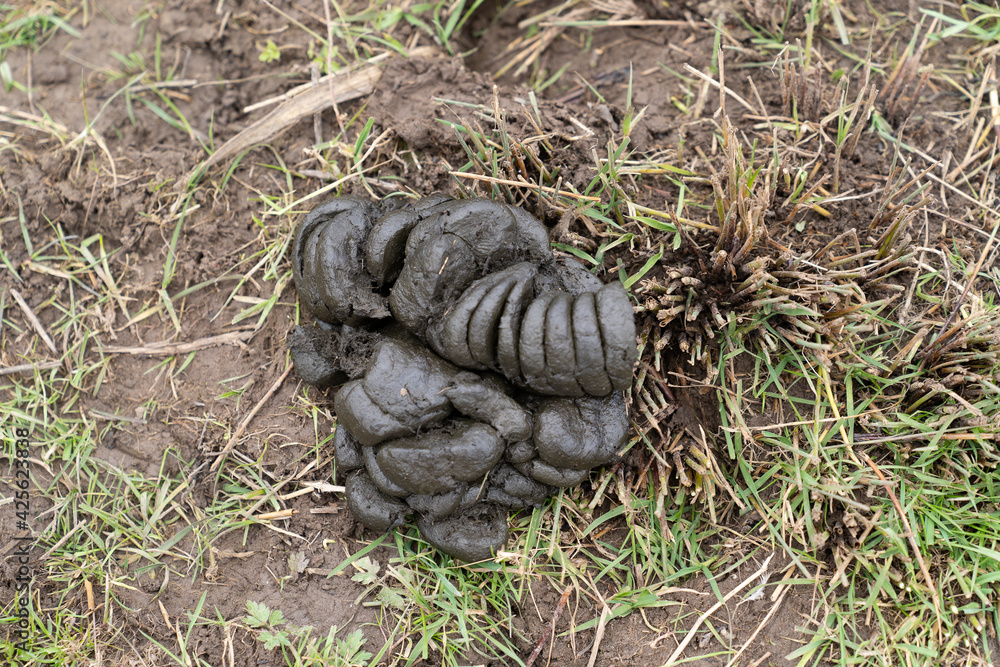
(855, 384)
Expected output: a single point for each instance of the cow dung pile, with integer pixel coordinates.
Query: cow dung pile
(479, 373)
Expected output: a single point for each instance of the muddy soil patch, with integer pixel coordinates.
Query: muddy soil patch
(172, 415)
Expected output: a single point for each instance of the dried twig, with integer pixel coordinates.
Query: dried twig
(168, 349)
(33, 319)
(25, 368)
(310, 101)
(246, 420)
(550, 629)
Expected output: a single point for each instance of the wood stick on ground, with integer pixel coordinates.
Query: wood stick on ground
(550, 629)
(279, 514)
(25, 368)
(913, 543)
(246, 420)
(672, 660)
(33, 319)
(313, 100)
(168, 349)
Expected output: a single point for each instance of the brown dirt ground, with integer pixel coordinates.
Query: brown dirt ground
(77, 191)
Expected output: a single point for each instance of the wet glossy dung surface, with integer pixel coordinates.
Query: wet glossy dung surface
(481, 373)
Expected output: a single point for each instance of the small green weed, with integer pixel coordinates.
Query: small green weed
(269, 53)
(299, 646)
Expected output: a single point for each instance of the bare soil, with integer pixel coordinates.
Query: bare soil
(79, 191)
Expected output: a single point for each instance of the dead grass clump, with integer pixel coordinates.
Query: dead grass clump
(744, 277)
(694, 299)
(803, 93)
